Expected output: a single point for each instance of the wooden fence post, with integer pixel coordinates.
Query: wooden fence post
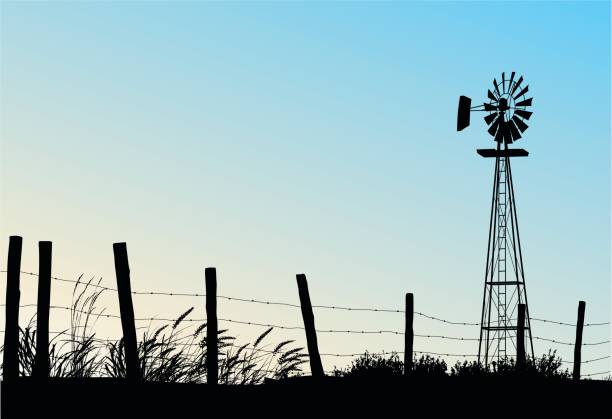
(316, 367)
(408, 334)
(212, 328)
(10, 366)
(41, 364)
(520, 338)
(122, 270)
(578, 343)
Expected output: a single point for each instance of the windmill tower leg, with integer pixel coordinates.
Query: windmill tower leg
(483, 347)
(519, 272)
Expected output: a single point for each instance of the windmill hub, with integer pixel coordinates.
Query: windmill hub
(503, 104)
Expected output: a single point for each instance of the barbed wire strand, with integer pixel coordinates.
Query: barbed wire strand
(284, 327)
(588, 361)
(570, 343)
(596, 373)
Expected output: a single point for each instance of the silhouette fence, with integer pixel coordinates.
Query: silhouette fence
(128, 320)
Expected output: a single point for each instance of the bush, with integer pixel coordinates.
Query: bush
(468, 369)
(428, 366)
(377, 365)
(547, 366)
(372, 365)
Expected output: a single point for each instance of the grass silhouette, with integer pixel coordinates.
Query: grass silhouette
(169, 353)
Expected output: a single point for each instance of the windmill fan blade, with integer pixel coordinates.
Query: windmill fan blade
(522, 92)
(503, 82)
(496, 87)
(489, 108)
(519, 123)
(490, 118)
(510, 82)
(516, 86)
(506, 133)
(526, 102)
(515, 132)
(491, 95)
(523, 114)
(493, 128)
(499, 135)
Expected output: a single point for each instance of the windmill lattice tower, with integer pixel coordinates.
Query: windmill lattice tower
(504, 285)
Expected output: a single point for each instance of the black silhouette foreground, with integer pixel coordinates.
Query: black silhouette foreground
(315, 397)
(373, 384)
(156, 375)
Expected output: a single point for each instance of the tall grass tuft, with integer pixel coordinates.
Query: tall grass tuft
(172, 352)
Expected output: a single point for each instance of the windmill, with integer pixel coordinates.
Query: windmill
(504, 285)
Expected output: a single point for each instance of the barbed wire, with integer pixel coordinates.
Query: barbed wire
(568, 324)
(588, 361)
(250, 323)
(596, 373)
(382, 353)
(281, 351)
(256, 301)
(279, 303)
(444, 320)
(285, 327)
(570, 343)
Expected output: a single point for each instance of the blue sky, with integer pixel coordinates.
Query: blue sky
(269, 139)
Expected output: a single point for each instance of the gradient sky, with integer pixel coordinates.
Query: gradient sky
(269, 139)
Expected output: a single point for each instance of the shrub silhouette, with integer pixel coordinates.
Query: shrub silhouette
(377, 365)
(428, 366)
(547, 366)
(372, 365)
(468, 369)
